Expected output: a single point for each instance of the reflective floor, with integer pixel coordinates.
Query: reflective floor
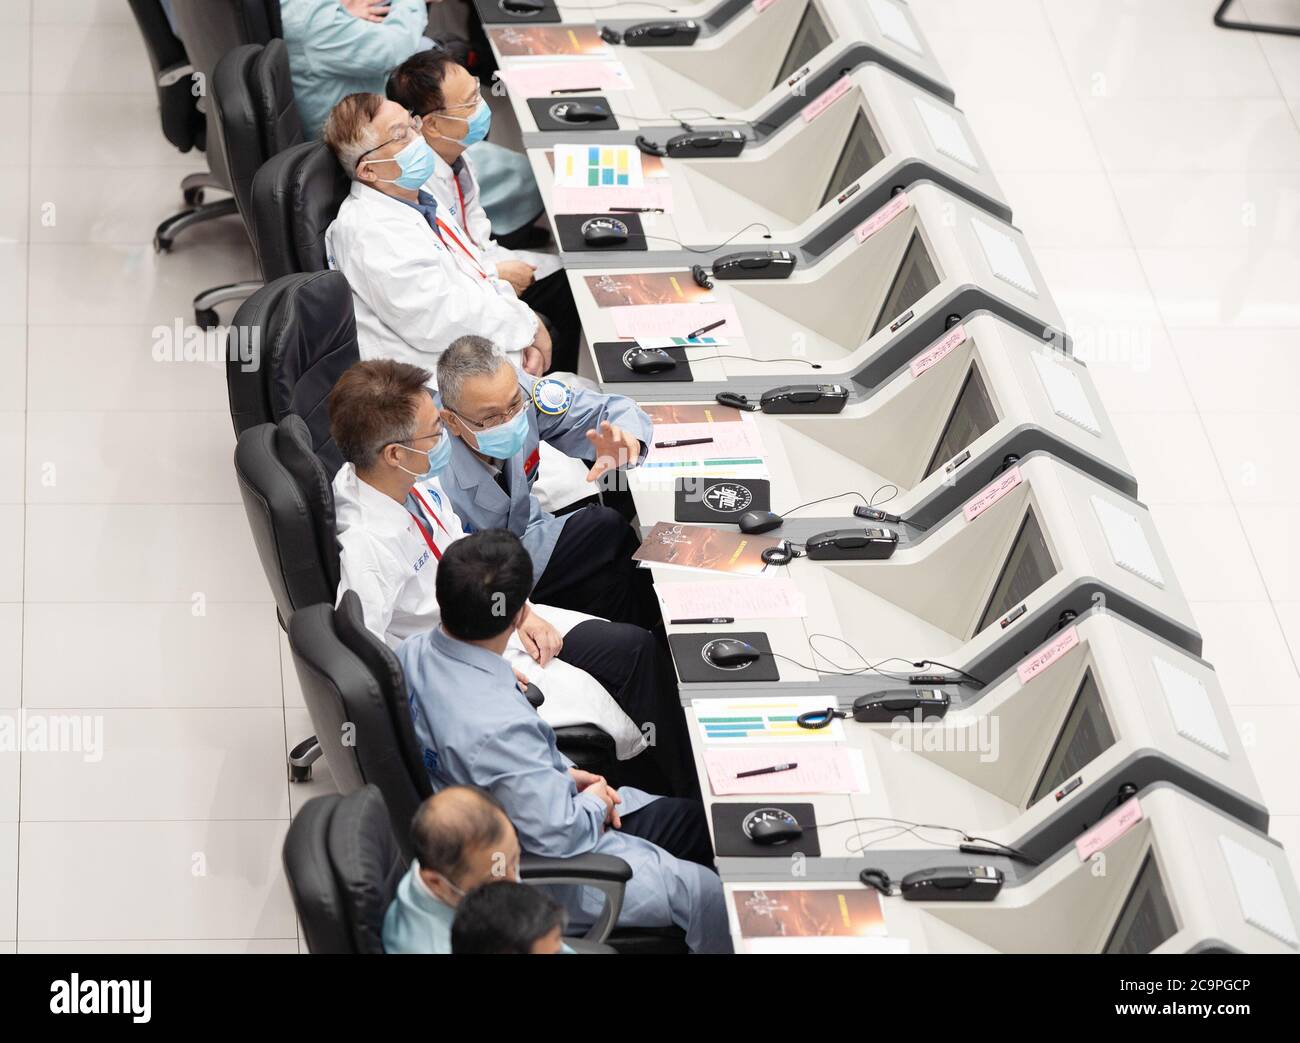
(1153, 161)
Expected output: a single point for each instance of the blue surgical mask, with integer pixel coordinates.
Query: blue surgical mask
(479, 124)
(416, 162)
(505, 440)
(438, 457)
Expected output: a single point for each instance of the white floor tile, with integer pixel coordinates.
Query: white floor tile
(119, 205)
(130, 458)
(1171, 457)
(66, 58)
(1060, 139)
(1249, 651)
(13, 281)
(11, 655)
(1253, 209)
(152, 655)
(13, 364)
(1271, 530)
(153, 880)
(16, 12)
(1070, 210)
(8, 880)
(1268, 733)
(1240, 370)
(1256, 455)
(1155, 49)
(159, 764)
(151, 946)
(110, 130)
(1285, 829)
(1281, 52)
(1209, 552)
(10, 766)
(11, 552)
(14, 206)
(1194, 134)
(124, 367)
(16, 120)
(15, 62)
(80, 12)
(12, 433)
(85, 285)
(963, 55)
(1288, 614)
(1225, 287)
(142, 552)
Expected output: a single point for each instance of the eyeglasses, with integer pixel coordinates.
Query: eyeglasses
(496, 419)
(410, 443)
(473, 101)
(401, 136)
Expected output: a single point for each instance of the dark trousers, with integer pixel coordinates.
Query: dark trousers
(678, 826)
(591, 570)
(553, 299)
(630, 665)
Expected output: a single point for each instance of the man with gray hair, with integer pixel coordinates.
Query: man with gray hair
(418, 281)
(500, 417)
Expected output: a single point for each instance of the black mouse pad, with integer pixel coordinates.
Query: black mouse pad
(719, 501)
(493, 12)
(688, 657)
(609, 362)
(729, 840)
(569, 227)
(541, 110)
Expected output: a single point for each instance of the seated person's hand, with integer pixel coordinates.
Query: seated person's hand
(540, 640)
(537, 356)
(614, 448)
(366, 10)
(610, 796)
(519, 274)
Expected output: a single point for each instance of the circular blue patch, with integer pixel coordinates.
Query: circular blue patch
(552, 397)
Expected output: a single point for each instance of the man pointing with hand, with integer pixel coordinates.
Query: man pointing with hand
(499, 417)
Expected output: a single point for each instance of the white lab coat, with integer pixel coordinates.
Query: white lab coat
(473, 219)
(384, 558)
(413, 293)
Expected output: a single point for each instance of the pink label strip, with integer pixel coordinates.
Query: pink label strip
(882, 217)
(939, 350)
(816, 108)
(762, 5)
(1047, 655)
(991, 494)
(1109, 829)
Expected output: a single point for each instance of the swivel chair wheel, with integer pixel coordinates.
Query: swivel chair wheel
(206, 318)
(193, 196)
(300, 773)
(161, 244)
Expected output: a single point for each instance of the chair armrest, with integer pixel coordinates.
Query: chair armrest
(607, 873)
(175, 73)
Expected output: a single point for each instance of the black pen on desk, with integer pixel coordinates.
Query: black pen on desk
(705, 329)
(636, 210)
(766, 771)
(575, 90)
(673, 444)
(702, 621)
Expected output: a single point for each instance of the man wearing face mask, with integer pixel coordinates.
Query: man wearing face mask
(418, 280)
(501, 418)
(395, 522)
(454, 115)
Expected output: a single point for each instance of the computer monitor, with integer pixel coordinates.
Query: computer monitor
(861, 152)
(914, 279)
(971, 416)
(1028, 567)
(1085, 736)
(810, 39)
(1146, 920)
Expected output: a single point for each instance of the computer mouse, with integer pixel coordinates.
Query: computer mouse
(522, 6)
(534, 695)
(580, 112)
(730, 652)
(769, 826)
(649, 360)
(754, 522)
(604, 231)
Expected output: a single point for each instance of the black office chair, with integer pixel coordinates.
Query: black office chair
(300, 334)
(209, 29)
(252, 100)
(296, 194)
(183, 122)
(356, 685)
(343, 867)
